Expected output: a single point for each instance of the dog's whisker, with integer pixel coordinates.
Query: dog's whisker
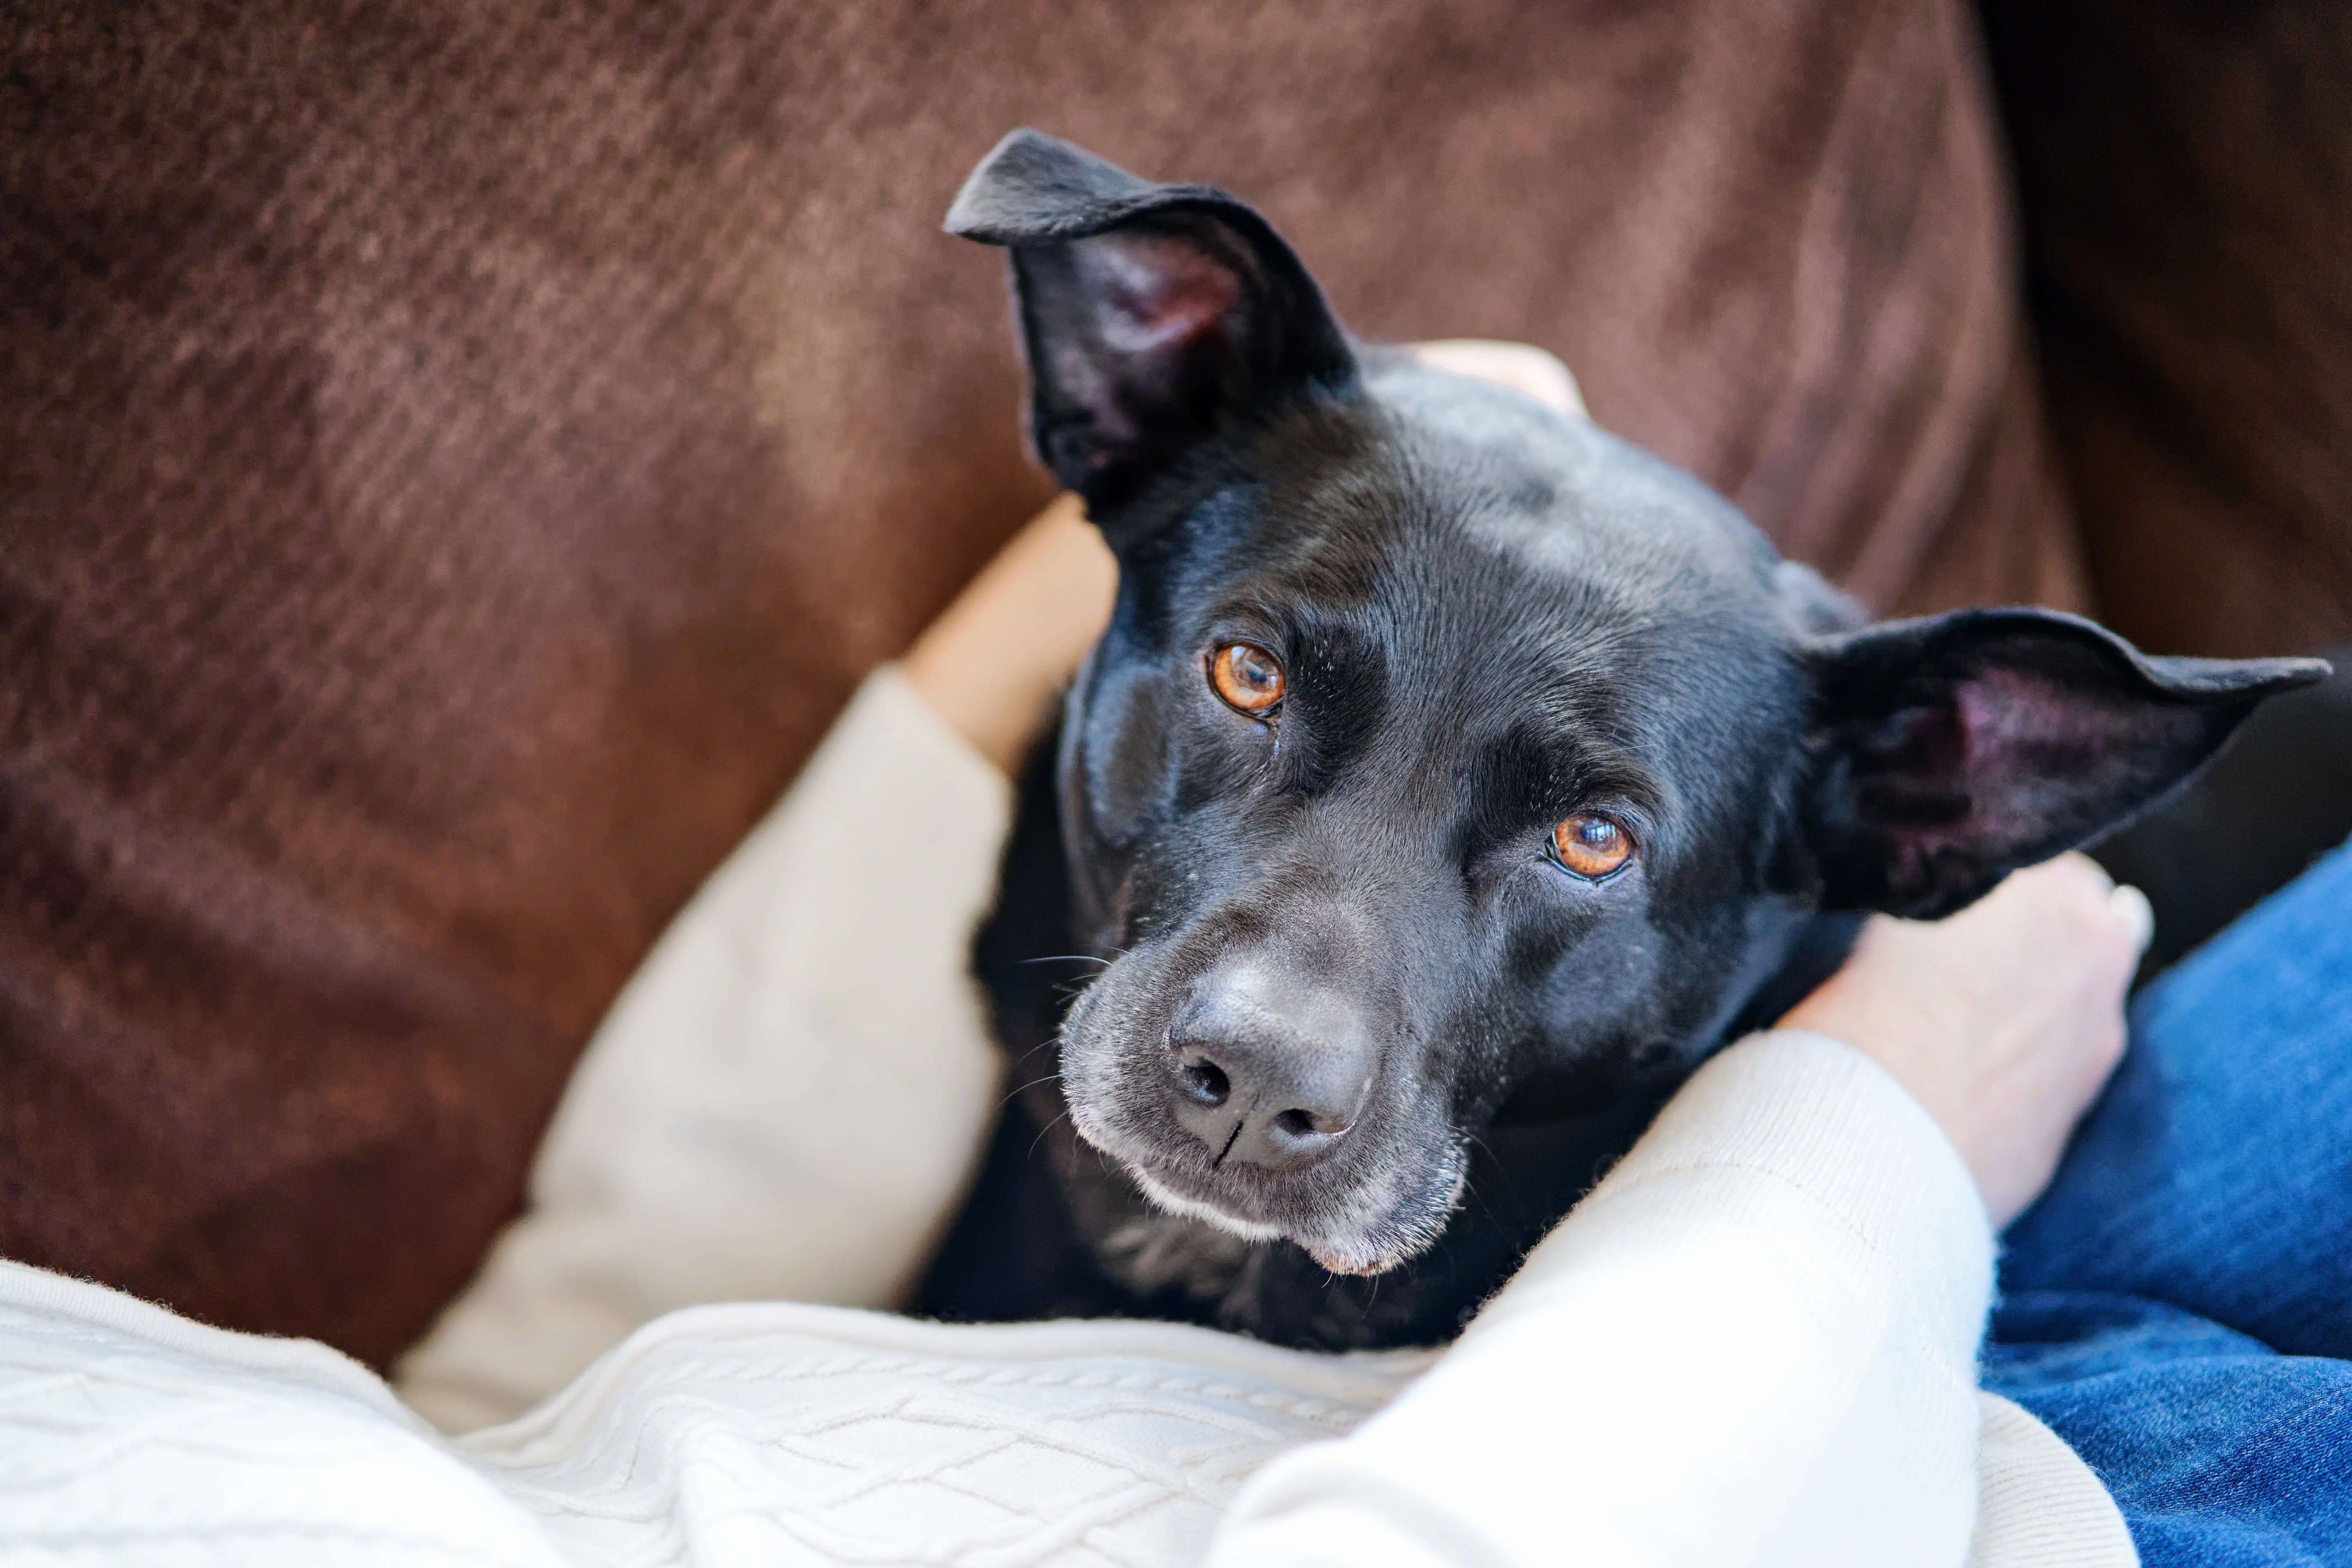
(1016, 1093)
(1041, 1136)
(1502, 1168)
(1470, 1190)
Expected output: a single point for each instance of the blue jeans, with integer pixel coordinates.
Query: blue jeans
(2178, 1305)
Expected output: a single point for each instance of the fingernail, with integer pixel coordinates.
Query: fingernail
(2133, 906)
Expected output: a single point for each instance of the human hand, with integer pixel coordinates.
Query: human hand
(993, 661)
(2004, 1020)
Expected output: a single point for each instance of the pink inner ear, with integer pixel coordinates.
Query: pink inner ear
(2018, 723)
(2033, 745)
(1157, 292)
(2012, 727)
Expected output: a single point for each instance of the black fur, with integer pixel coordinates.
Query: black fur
(1490, 618)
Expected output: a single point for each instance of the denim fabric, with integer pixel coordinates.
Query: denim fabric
(2219, 1449)
(2178, 1305)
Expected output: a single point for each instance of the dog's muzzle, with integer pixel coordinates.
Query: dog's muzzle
(1252, 1113)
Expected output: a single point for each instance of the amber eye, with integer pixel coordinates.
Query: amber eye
(1591, 845)
(1247, 676)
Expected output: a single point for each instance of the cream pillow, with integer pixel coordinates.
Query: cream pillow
(785, 1101)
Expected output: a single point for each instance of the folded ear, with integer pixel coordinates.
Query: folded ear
(1153, 315)
(1952, 751)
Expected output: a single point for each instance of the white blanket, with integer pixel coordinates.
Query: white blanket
(739, 1435)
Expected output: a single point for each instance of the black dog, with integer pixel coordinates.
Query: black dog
(1451, 780)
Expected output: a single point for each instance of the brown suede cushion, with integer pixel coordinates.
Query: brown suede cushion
(458, 456)
(2186, 170)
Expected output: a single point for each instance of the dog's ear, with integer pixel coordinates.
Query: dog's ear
(1950, 752)
(1152, 315)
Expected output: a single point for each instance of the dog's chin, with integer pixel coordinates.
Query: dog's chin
(1356, 1242)
(1173, 1202)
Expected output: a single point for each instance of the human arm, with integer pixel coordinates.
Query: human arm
(2022, 1026)
(1755, 1342)
(993, 662)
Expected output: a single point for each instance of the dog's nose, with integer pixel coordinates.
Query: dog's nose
(1268, 1070)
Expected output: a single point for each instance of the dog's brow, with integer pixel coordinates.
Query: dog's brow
(1343, 684)
(1530, 776)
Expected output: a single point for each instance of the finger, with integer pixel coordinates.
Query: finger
(2091, 866)
(2139, 916)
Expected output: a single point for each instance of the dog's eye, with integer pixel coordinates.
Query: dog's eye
(1591, 845)
(1248, 677)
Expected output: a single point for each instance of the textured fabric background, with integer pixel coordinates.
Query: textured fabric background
(2186, 167)
(454, 460)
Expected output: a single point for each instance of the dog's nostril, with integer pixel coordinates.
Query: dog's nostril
(1308, 1124)
(1206, 1083)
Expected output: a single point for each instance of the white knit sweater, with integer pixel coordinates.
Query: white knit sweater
(1753, 1344)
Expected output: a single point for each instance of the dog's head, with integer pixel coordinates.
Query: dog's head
(1442, 744)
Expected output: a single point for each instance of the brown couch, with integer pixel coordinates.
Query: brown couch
(454, 458)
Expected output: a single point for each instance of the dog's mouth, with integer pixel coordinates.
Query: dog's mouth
(1358, 1224)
